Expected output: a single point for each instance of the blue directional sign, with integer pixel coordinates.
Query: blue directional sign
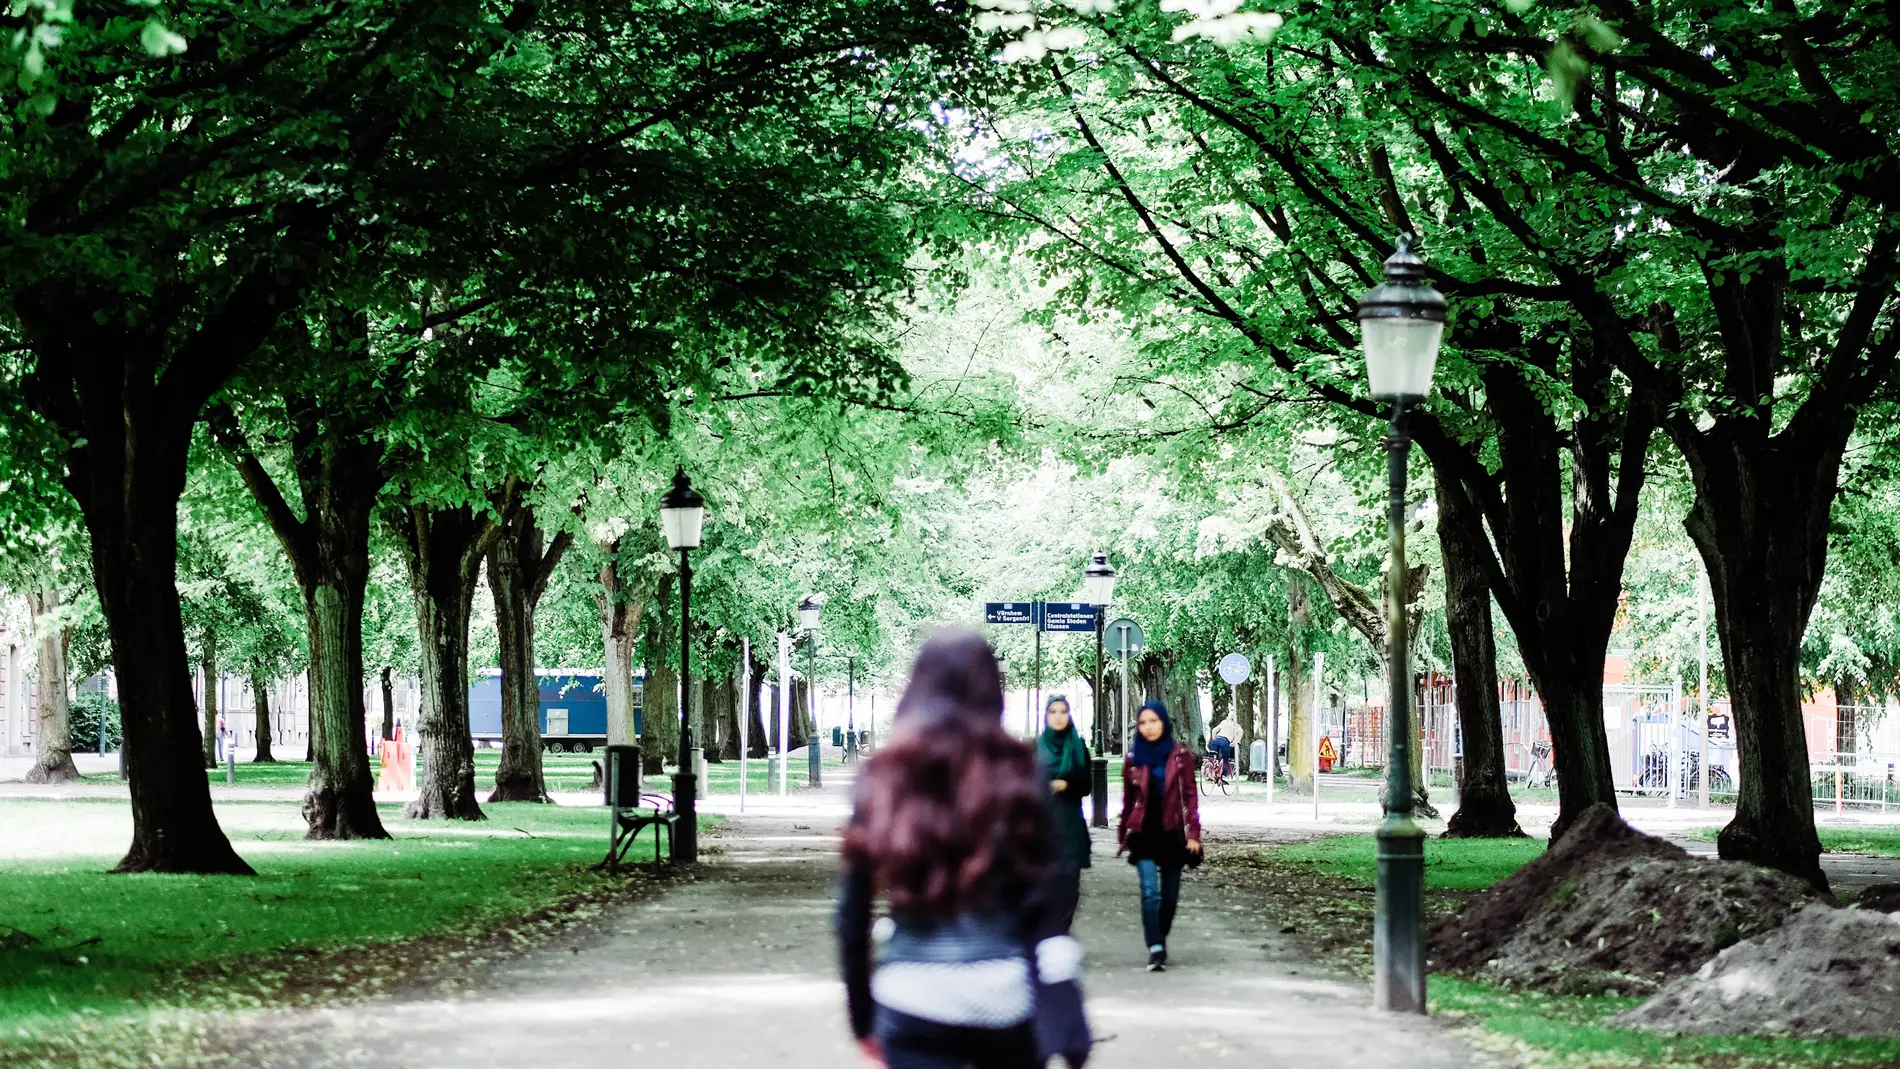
(1009, 612)
(1068, 616)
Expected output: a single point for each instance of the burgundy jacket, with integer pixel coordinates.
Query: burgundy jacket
(1182, 803)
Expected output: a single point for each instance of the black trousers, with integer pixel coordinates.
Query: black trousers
(914, 1043)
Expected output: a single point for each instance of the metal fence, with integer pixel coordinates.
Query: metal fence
(1655, 738)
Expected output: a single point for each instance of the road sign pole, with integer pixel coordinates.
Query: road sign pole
(1319, 721)
(1273, 726)
(1036, 681)
(1098, 771)
(745, 713)
(784, 714)
(1126, 684)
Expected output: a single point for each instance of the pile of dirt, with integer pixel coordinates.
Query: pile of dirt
(1608, 908)
(1825, 972)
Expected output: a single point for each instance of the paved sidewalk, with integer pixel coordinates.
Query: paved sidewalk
(737, 968)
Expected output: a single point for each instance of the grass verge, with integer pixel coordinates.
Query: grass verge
(563, 772)
(89, 957)
(1320, 891)
(1878, 840)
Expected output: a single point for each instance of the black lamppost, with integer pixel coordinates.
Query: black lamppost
(682, 511)
(1402, 323)
(1098, 585)
(808, 612)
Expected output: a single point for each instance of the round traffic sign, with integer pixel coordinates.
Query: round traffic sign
(1235, 669)
(1124, 636)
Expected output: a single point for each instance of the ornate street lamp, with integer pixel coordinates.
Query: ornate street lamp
(1402, 323)
(808, 613)
(682, 513)
(1098, 585)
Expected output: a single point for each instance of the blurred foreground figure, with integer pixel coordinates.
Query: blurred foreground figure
(953, 828)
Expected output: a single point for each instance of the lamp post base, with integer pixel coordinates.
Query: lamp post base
(1398, 930)
(686, 808)
(1098, 789)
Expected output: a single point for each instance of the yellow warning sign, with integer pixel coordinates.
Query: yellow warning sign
(1326, 751)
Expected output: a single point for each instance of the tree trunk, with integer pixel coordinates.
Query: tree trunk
(133, 521)
(1557, 570)
(1485, 809)
(801, 691)
(722, 712)
(1300, 739)
(53, 753)
(660, 739)
(260, 702)
(389, 704)
(518, 776)
(1845, 716)
(758, 743)
(208, 673)
(443, 550)
(519, 568)
(339, 475)
(621, 604)
(1760, 520)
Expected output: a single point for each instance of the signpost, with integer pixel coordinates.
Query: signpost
(745, 713)
(1068, 617)
(1055, 617)
(1125, 639)
(1234, 669)
(1009, 612)
(1273, 727)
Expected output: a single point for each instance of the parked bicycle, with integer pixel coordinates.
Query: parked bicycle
(1541, 772)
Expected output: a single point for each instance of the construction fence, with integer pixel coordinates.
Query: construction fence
(1656, 742)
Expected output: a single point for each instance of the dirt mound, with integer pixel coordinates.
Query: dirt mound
(1610, 909)
(1825, 972)
(1880, 897)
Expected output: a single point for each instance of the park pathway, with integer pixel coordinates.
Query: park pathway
(736, 967)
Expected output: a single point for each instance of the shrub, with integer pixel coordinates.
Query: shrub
(90, 710)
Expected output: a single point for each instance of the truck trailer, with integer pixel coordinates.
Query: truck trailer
(573, 713)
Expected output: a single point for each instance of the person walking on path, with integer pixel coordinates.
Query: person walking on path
(952, 825)
(1161, 823)
(1065, 760)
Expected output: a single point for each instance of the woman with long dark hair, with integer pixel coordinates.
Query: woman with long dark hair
(953, 827)
(1161, 822)
(1065, 761)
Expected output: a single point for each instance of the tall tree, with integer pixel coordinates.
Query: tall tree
(53, 753)
(520, 564)
(443, 546)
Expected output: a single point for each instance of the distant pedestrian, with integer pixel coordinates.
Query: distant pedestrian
(952, 825)
(1065, 760)
(1161, 823)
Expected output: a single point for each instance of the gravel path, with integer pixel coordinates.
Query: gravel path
(736, 968)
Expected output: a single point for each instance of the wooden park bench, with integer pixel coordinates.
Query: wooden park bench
(632, 811)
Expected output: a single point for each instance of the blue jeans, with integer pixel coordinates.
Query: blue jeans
(1160, 895)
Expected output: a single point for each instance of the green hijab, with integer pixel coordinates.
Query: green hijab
(1062, 751)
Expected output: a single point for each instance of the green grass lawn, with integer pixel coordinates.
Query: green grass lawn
(1880, 840)
(563, 771)
(1450, 864)
(75, 939)
(1550, 1029)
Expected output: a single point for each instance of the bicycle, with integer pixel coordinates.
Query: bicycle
(1215, 771)
(1541, 773)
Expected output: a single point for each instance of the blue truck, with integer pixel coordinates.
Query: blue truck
(573, 709)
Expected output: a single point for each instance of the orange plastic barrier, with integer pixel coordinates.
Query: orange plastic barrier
(398, 771)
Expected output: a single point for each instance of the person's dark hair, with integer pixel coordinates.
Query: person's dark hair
(951, 811)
